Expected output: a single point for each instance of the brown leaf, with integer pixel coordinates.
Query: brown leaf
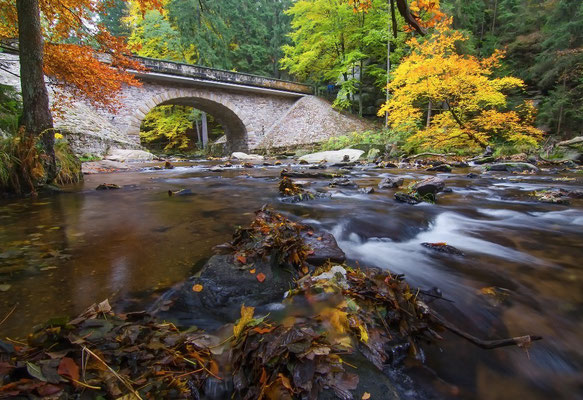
(242, 259)
(68, 369)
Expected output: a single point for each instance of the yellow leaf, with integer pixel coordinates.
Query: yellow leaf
(489, 291)
(365, 396)
(363, 334)
(197, 288)
(246, 317)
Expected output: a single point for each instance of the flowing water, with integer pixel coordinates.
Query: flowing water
(60, 254)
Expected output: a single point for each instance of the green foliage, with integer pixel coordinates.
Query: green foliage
(169, 124)
(381, 137)
(241, 35)
(333, 44)
(544, 41)
(68, 165)
(10, 109)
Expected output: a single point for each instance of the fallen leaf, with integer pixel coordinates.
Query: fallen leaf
(246, 316)
(490, 291)
(365, 396)
(252, 271)
(197, 288)
(68, 369)
(242, 259)
(260, 277)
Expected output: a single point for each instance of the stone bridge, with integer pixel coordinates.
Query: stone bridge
(255, 112)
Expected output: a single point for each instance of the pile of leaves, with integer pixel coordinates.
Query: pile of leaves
(106, 356)
(296, 359)
(374, 308)
(271, 235)
(287, 188)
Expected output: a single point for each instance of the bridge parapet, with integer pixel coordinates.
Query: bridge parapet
(211, 74)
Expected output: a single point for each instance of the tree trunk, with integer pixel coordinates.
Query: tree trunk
(205, 132)
(495, 14)
(429, 106)
(36, 114)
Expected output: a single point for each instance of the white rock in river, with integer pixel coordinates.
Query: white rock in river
(333, 156)
(129, 155)
(247, 157)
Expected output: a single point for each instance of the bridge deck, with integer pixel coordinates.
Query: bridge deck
(217, 75)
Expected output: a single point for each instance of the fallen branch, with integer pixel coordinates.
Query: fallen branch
(430, 155)
(519, 341)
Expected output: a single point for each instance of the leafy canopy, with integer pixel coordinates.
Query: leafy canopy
(471, 104)
(73, 40)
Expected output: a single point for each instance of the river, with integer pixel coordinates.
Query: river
(60, 254)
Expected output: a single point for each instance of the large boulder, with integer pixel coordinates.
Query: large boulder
(430, 186)
(512, 167)
(247, 157)
(121, 155)
(333, 156)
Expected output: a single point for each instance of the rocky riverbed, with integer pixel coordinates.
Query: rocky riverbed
(515, 270)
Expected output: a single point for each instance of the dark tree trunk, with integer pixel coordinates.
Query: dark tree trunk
(36, 114)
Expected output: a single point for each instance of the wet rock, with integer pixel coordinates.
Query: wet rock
(554, 196)
(391, 182)
(373, 154)
(247, 157)
(224, 288)
(108, 186)
(429, 187)
(309, 175)
(407, 198)
(473, 175)
(303, 162)
(460, 164)
(333, 156)
(227, 165)
(366, 190)
(266, 164)
(344, 182)
(440, 168)
(325, 248)
(182, 192)
(443, 248)
(121, 155)
(483, 160)
(277, 162)
(512, 167)
(248, 165)
(168, 165)
(216, 169)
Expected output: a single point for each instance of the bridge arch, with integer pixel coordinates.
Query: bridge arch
(233, 120)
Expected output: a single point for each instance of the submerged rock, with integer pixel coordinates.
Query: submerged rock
(483, 160)
(366, 190)
(108, 186)
(247, 157)
(473, 175)
(407, 198)
(345, 182)
(333, 156)
(512, 167)
(391, 182)
(443, 248)
(440, 168)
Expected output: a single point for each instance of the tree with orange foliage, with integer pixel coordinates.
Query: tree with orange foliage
(473, 105)
(76, 66)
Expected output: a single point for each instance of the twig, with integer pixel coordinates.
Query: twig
(127, 385)
(430, 154)
(9, 314)
(485, 344)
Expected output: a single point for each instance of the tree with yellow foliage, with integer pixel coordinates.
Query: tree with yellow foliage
(472, 110)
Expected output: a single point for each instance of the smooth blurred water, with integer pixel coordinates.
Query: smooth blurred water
(86, 245)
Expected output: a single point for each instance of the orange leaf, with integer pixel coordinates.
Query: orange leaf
(262, 331)
(285, 382)
(260, 277)
(68, 369)
(197, 288)
(242, 259)
(366, 396)
(252, 271)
